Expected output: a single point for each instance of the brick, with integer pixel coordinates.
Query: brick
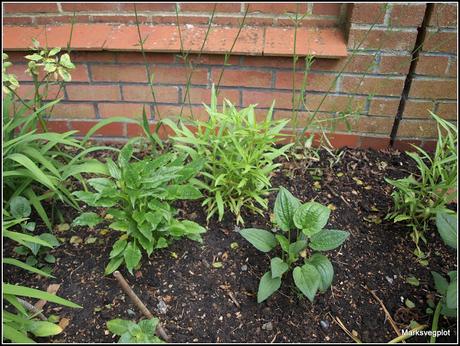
(130, 110)
(372, 85)
(208, 59)
(61, 19)
(376, 143)
(335, 103)
(74, 110)
(152, 58)
(432, 65)
(340, 140)
(407, 15)
(118, 18)
(144, 6)
(417, 109)
(384, 107)
(242, 78)
(452, 68)
(180, 75)
(417, 128)
(326, 9)
(363, 13)
(200, 95)
(440, 42)
(143, 93)
(80, 73)
(93, 92)
(353, 63)
(406, 145)
(283, 100)
(172, 19)
(250, 21)
(134, 130)
(17, 20)
(45, 7)
(433, 89)
(27, 91)
(110, 130)
(117, 73)
(395, 64)
(100, 57)
(319, 42)
(173, 111)
(209, 7)
(59, 126)
(444, 15)
(250, 41)
(19, 71)
(382, 39)
(278, 8)
(447, 110)
(310, 22)
(89, 7)
(315, 81)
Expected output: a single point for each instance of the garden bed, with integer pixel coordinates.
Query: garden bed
(201, 303)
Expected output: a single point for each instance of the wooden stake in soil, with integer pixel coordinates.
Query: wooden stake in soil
(135, 299)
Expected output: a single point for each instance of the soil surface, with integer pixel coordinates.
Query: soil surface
(199, 303)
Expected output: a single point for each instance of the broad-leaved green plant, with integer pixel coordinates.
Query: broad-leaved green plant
(302, 236)
(143, 332)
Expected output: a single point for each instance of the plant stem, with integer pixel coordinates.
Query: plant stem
(434, 325)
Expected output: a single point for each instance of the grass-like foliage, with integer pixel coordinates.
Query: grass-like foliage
(239, 153)
(417, 199)
(139, 196)
(302, 231)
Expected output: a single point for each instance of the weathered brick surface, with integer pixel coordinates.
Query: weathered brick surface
(108, 82)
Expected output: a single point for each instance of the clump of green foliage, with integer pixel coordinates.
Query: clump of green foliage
(302, 231)
(134, 333)
(239, 153)
(139, 196)
(417, 199)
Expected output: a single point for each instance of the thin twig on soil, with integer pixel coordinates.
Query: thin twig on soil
(139, 304)
(387, 314)
(337, 195)
(342, 326)
(274, 338)
(29, 307)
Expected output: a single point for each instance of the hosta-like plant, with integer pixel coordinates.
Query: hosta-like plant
(138, 196)
(143, 332)
(239, 153)
(302, 239)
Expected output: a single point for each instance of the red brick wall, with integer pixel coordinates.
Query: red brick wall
(108, 83)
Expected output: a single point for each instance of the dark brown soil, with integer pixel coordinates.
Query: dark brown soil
(200, 308)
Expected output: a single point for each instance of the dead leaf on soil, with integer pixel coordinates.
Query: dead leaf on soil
(64, 322)
(53, 288)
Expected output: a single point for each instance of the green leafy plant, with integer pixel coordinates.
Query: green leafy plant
(418, 199)
(139, 196)
(18, 325)
(130, 332)
(302, 232)
(239, 153)
(20, 209)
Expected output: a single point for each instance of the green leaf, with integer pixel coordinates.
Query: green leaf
(311, 218)
(90, 219)
(65, 61)
(15, 262)
(132, 256)
(328, 239)
(285, 206)
(451, 295)
(278, 267)
(296, 247)
(409, 303)
(149, 326)
(125, 155)
(161, 243)
(118, 326)
(44, 328)
(447, 228)
(101, 184)
(175, 192)
(118, 248)
(412, 280)
(20, 207)
(307, 280)
(34, 293)
(15, 335)
(113, 265)
(113, 169)
(267, 286)
(261, 239)
(440, 283)
(121, 226)
(283, 241)
(324, 267)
